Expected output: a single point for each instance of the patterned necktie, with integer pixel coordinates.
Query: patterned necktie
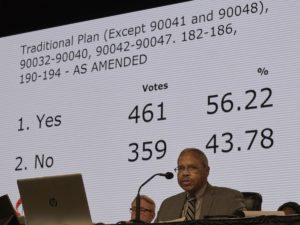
(191, 208)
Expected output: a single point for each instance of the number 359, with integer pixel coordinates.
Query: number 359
(147, 149)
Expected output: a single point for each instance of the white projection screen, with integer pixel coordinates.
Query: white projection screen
(117, 98)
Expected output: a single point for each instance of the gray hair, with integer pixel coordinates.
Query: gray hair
(146, 199)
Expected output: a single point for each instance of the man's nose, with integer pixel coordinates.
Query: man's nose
(186, 171)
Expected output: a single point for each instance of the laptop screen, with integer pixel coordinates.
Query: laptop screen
(7, 212)
(59, 200)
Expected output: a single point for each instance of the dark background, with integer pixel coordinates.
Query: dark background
(23, 16)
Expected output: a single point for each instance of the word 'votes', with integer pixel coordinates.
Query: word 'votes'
(155, 87)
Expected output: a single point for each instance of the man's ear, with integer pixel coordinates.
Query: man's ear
(153, 214)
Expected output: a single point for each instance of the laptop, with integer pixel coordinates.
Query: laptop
(59, 200)
(7, 212)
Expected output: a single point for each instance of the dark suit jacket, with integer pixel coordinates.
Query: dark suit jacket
(216, 201)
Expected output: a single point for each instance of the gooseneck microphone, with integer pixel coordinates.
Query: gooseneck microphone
(167, 175)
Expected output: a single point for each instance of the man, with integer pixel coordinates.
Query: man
(290, 208)
(147, 209)
(204, 199)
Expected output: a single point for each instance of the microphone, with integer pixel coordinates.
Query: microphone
(167, 175)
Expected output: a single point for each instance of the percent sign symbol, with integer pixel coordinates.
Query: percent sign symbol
(262, 71)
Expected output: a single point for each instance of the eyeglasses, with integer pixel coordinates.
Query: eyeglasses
(189, 169)
(141, 210)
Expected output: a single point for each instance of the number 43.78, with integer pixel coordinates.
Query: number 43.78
(226, 143)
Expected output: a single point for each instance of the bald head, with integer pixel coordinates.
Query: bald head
(197, 153)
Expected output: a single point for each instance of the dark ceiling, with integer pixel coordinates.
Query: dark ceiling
(23, 16)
